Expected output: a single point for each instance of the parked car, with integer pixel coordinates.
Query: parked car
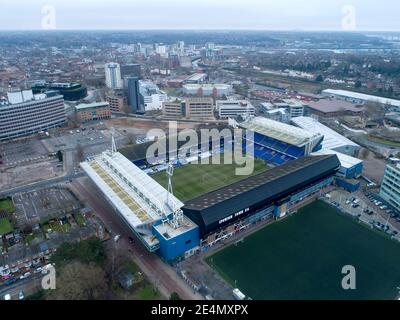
(21, 295)
(38, 270)
(10, 281)
(7, 296)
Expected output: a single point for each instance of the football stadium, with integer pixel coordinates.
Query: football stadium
(177, 207)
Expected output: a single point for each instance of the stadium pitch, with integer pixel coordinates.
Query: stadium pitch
(301, 257)
(192, 180)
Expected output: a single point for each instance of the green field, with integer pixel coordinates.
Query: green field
(192, 180)
(301, 257)
(5, 226)
(7, 204)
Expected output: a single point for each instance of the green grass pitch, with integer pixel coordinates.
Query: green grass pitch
(301, 257)
(192, 180)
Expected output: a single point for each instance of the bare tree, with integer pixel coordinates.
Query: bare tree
(79, 153)
(79, 281)
(364, 153)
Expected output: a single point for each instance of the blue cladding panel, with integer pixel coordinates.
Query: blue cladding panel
(172, 248)
(351, 187)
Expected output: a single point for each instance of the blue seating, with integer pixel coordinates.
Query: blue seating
(272, 150)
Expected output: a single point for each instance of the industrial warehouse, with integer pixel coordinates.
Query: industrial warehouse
(292, 174)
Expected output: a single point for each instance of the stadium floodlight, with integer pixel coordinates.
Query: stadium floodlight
(113, 145)
(170, 173)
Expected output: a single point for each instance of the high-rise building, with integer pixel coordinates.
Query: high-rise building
(134, 95)
(390, 188)
(132, 69)
(113, 75)
(24, 113)
(151, 96)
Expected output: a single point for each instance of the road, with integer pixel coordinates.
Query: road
(162, 275)
(39, 184)
(28, 286)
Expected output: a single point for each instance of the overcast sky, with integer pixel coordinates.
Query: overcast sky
(203, 14)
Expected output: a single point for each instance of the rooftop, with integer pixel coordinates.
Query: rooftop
(332, 139)
(279, 131)
(207, 85)
(281, 175)
(346, 161)
(92, 105)
(137, 196)
(334, 105)
(362, 96)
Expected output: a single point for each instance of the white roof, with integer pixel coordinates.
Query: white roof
(332, 139)
(362, 96)
(280, 131)
(196, 76)
(207, 85)
(117, 178)
(346, 161)
(101, 104)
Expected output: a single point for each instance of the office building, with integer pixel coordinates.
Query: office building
(24, 113)
(151, 96)
(234, 108)
(117, 101)
(93, 111)
(132, 69)
(174, 109)
(390, 188)
(217, 90)
(134, 95)
(113, 75)
(199, 108)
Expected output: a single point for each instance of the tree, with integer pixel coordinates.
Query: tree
(364, 153)
(86, 251)
(60, 156)
(358, 84)
(174, 296)
(79, 281)
(79, 153)
(319, 78)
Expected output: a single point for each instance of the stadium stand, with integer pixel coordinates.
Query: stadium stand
(277, 142)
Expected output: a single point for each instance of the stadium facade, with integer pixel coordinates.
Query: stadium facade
(176, 229)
